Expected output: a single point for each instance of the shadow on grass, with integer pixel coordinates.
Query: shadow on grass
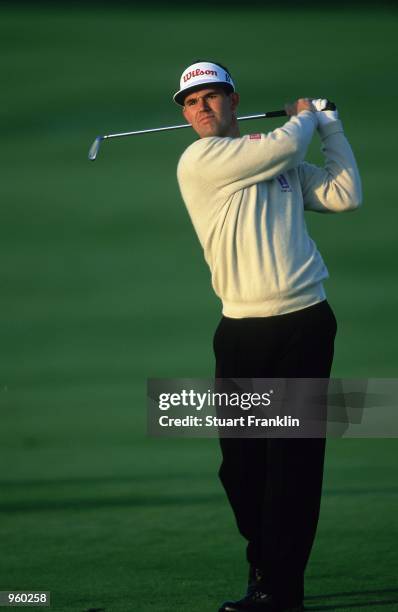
(26, 499)
(373, 595)
(127, 501)
(136, 478)
(90, 480)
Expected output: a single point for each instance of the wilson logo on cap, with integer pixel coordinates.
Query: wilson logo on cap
(198, 72)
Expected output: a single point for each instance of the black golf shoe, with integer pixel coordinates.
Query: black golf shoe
(258, 601)
(258, 598)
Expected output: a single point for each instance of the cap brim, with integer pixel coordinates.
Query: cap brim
(180, 95)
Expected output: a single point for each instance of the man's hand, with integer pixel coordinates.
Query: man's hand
(327, 116)
(300, 105)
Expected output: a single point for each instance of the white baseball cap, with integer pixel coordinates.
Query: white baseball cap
(199, 74)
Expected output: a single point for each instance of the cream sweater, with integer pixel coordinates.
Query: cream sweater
(246, 198)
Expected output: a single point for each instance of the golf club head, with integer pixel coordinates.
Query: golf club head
(93, 152)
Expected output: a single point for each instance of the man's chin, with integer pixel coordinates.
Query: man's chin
(208, 131)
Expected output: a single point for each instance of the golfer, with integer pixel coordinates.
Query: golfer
(246, 196)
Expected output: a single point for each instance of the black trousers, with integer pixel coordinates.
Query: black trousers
(274, 485)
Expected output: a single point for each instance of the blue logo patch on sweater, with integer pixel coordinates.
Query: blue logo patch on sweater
(282, 180)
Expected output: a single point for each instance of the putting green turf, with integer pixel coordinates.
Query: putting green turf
(103, 285)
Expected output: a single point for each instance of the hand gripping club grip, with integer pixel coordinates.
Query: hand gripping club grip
(282, 113)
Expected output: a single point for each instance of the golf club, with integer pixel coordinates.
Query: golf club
(93, 152)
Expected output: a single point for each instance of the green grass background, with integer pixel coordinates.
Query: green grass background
(103, 285)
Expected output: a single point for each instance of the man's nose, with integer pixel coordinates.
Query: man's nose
(203, 104)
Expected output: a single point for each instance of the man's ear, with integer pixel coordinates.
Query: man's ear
(234, 100)
(183, 113)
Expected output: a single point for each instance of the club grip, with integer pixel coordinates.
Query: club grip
(330, 106)
(278, 113)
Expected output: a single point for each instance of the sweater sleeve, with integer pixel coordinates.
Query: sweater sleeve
(236, 163)
(337, 186)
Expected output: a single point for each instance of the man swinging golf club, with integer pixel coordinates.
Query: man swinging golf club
(246, 196)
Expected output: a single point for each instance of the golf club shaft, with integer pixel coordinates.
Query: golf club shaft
(92, 154)
(97, 142)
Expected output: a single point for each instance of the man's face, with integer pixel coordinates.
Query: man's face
(211, 111)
